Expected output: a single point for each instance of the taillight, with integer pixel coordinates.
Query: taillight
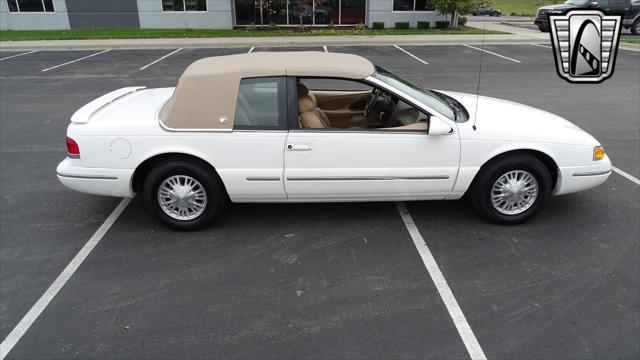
(73, 150)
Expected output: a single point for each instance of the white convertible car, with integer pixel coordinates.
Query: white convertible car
(320, 127)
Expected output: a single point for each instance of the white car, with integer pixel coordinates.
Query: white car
(320, 127)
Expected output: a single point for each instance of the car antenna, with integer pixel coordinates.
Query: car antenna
(475, 115)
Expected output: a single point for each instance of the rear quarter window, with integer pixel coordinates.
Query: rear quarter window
(261, 104)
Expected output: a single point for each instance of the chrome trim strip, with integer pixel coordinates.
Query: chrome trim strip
(265, 178)
(92, 177)
(362, 178)
(595, 173)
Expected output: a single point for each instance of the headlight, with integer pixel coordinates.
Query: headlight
(598, 153)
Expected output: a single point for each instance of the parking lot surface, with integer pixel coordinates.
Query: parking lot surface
(318, 280)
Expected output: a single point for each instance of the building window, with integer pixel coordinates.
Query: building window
(184, 5)
(413, 5)
(30, 5)
(299, 12)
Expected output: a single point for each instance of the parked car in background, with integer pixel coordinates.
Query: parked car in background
(320, 127)
(629, 9)
(487, 11)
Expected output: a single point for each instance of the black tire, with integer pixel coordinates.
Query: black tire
(215, 195)
(495, 13)
(543, 28)
(476, 14)
(483, 183)
(635, 27)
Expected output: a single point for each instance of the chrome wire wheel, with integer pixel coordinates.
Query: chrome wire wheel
(514, 192)
(182, 197)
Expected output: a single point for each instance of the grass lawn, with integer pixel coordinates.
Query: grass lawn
(521, 7)
(632, 40)
(212, 33)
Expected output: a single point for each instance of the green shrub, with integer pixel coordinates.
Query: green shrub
(252, 26)
(360, 27)
(424, 24)
(378, 25)
(442, 24)
(273, 25)
(402, 25)
(462, 20)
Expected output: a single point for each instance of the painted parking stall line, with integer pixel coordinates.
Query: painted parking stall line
(459, 320)
(492, 53)
(325, 48)
(251, 50)
(627, 175)
(160, 59)
(542, 46)
(410, 54)
(21, 54)
(36, 310)
(76, 60)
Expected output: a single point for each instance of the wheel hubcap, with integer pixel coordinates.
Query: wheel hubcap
(182, 197)
(514, 192)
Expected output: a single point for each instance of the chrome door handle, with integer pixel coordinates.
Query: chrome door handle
(298, 147)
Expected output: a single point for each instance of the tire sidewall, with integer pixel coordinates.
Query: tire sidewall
(482, 188)
(161, 172)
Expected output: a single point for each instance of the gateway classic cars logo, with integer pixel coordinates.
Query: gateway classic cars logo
(585, 43)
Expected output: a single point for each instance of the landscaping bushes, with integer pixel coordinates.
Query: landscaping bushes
(462, 20)
(402, 25)
(424, 24)
(377, 25)
(442, 24)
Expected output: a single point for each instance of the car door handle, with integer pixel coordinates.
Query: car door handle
(298, 147)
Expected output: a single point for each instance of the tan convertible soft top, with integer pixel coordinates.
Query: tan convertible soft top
(205, 98)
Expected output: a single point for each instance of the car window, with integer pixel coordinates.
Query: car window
(261, 104)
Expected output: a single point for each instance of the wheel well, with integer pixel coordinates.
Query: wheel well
(141, 172)
(548, 162)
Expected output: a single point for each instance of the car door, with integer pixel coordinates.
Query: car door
(376, 164)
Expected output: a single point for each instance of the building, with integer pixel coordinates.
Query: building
(218, 14)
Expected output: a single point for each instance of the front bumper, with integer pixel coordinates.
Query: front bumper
(541, 22)
(577, 178)
(97, 181)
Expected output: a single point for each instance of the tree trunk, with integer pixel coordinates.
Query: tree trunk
(454, 19)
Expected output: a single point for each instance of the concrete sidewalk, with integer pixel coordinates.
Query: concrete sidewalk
(266, 41)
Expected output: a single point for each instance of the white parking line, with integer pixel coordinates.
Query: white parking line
(325, 48)
(468, 338)
(32, 315)
(627, 175)
(540, 45)
(251, 50)
(25, 53)
(76, 60)
(162, 58)
(410, 54)
(492, 53)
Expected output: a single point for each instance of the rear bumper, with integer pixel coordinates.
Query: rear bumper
(577, 178)
(97, 181)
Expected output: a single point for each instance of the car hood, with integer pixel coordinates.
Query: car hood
(504, 120)
(558, 7)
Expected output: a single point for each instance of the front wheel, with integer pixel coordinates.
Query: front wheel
(543, 28)
(511, 190)
(635, 27)
(183, 195)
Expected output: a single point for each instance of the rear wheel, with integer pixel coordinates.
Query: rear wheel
(182, 195)
(543, 28)
(511, 190)
(495, 13)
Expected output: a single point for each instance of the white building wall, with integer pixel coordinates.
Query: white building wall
(57, 20)
(382, 10)
(219, 15)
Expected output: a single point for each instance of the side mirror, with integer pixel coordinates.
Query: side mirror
(438, 126)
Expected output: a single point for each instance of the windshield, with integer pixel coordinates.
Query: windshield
(427, 97)
(577, 2)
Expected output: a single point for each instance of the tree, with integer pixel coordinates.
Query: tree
(305, 8)
(454, 7)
